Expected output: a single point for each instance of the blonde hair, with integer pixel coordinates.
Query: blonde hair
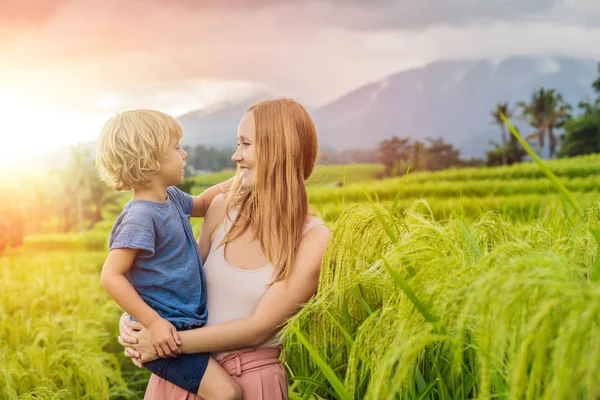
(286, 151)
(131, 145)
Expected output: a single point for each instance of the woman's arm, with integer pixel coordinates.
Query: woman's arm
(281, 301)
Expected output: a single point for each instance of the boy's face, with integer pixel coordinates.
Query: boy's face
(244, 154)
(172, 164)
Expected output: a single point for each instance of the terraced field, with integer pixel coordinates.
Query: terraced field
(472, 283)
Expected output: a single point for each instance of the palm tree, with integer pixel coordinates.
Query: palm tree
(546, 111)
(502, 108)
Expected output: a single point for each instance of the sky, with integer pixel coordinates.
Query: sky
(68, 65)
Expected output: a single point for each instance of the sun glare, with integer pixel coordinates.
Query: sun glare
(29, 129)
(21, 126)
(108, 102)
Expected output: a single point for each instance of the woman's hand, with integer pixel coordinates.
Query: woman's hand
(126, 329)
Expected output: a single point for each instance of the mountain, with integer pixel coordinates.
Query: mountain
(451, 99)
(448, 99)
(218, 128)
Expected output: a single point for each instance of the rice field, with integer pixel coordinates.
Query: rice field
(324, 176)
(460, 284)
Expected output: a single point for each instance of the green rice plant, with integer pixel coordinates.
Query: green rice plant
(567, 168)
(340, 299)
(324, 175)
(547, 171)
(341, 175)
(566, 197)
(519, 318)
(459, 284)
(95, 240)
(58, 330)
(392, 188)
(517, 208)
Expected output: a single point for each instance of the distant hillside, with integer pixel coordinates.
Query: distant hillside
(448, 99)
(219, 128)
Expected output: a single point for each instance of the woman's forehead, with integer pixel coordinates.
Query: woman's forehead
(246, 128)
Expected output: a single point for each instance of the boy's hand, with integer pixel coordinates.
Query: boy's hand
(164, 338)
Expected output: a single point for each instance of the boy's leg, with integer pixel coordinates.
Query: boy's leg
(217, 384)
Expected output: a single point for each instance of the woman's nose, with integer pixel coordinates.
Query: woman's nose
(236, 157)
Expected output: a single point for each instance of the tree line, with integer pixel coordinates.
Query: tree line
(434, 154)
(202, 159)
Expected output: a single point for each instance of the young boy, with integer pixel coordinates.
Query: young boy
(153, 270)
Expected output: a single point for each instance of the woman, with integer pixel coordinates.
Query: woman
(262, 254)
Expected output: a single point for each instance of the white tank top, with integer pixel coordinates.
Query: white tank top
(233, 293)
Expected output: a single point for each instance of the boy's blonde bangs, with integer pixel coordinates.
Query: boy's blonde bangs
(131, 146)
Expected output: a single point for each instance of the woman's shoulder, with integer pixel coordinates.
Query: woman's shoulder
(216, 211)
(312, 221)
(219, 203)
(312, 245)
(317, 229)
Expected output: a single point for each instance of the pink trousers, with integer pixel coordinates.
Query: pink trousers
(258, 371)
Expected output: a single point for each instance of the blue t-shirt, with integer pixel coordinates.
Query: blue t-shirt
(167, 272)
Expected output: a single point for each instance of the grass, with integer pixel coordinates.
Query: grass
(486, 289)
(324, 175)
(58, 330)
(469, 308)
(457, 310)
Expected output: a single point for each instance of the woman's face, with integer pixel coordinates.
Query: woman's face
(244, 154)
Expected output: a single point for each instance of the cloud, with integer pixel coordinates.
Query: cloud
(350, 14)
(71, 64)
(421, 15)
(28, 13)
(314, 50)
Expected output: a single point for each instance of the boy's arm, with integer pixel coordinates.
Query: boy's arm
(114, 282)
(203, 200)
